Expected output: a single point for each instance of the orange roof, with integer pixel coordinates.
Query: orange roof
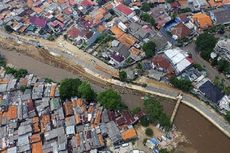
(11, 113)
(37, 147)
(37, 9)
(183, 2)
(91, 109)
(68, 108)
(45, 119)
(129, 134)
(35, 138)
(117, 31)
(101, 28)
(127, 40)
(203, 20)
(52, 90)
(134, 51)
(30, 3)
(108, 6)
(77, 118)
(3, 151)
(78, 102)
(98, 117)
(78, 139)
(215, 3)
(101, 140)
(35, 125)
(3, 81)
(226, 2)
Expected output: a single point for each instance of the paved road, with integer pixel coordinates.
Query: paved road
(168, 92)
(212, 72)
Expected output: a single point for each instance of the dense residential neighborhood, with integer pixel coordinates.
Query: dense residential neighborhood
(149, 39)
(34, 118)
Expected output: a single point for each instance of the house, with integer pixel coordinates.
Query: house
(197, 5)
(127, 40)
(172, 61)
(160, 15)
(129, 134)
(123, 10)
(221, 16)
(181, 31)
(37, 147)
(38, 21)
(119, 54)
(73, 33)
(211, 92)
(222, 49)
(224, 104)
(113, 132)
(202, 20)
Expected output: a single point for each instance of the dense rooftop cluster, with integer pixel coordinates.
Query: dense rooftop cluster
(34, 118)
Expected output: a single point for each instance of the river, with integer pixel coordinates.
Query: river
(203, 136)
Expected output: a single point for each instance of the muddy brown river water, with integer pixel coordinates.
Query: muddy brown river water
(203, 136)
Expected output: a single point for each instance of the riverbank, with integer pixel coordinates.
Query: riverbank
(204, 137)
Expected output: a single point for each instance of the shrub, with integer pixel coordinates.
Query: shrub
(149, 132)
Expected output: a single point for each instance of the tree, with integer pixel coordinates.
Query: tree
(227, 90)
(181, 84)
(110, 99)
(2, 61)
(21, 73)
(69, 88)
(122, 75)
(153, 109)
(144, 121)
(136, 110)
(205, 43)
(8, 28)
(198, 67)
(149, 48)
(148, 18)
(227, 116)
(86, 92)
(165, 122)
(164, 151)
(145, 7)
(223, 66)
(10, 70)
(149, 132)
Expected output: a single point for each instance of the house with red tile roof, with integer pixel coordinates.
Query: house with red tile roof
(121, 9)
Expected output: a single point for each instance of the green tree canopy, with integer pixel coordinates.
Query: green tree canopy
(165, 122)
(223, 66)
(8, 28)
(16, 73)
(122, 75)
(149, 48)
(21, 73)
(148, 18)
(2, 61)
(145, 7)
(69, 88)
(149, 132)
(181, 84)
(110, 99)
(86, 91)
(144, 121)
(205, 43)
(153, 109)
(164, 151)
(227, 116)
